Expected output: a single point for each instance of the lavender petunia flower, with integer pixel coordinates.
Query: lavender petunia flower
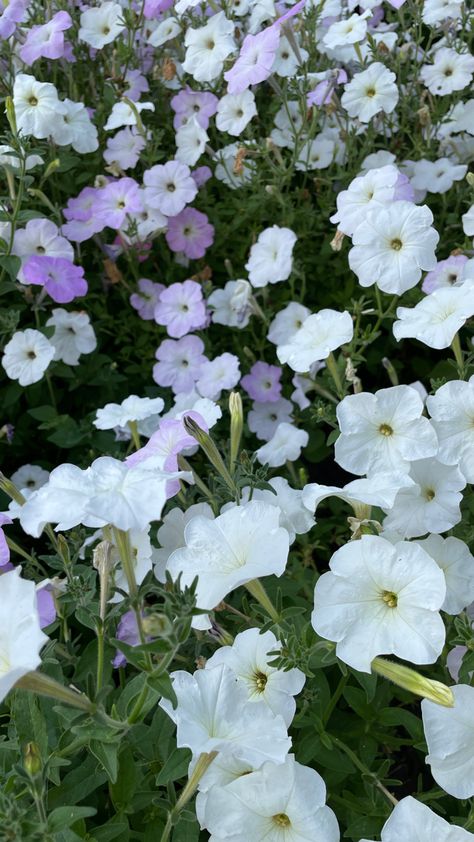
(181, 308)
(62, 280)
(146, 298)
(262, 384)
(190, 232)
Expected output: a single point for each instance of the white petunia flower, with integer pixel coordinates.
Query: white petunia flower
(101, 25)
(74, 126)
(27, 356)
(316, 154)
(449, 734)
(170, 535)
(73, 335)
(349, 30)
(271, 257)
(320, 334)
(30, 477)
(235, 111)
(191, 140)
(294, 515)
(369, 92)
(249, 659)
(436, 176)
(240, 545)
(380, 489)
(437, 318)
(411, 819)
(21, 638)
(36, 105)
(165, 31)
(381, 599)
(452, 413)
(132, 408)
(450, 71)
(392, 245)
(123, 114)
(287, 322)
(285, 445)
(457, 564)
(215, 714)
(208, 47)
(169, 187)
(277, 803)
(432, 504)
(232, 305)
(374, 189)
(383, 431)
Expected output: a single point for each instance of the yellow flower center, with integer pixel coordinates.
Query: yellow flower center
(390, 598)
(281, 820)
(396, 244)
(260, 680)
(386, 430)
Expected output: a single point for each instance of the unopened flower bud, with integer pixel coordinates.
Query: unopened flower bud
(209, 448)
(336, 242)
(157, 625)
(236, 425)
(411, 680)
(11, 116)
(470, 179)
(32, 759)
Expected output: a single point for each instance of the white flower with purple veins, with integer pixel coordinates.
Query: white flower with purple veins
(457, 564)
(383, 431)
(452, 416)
(392, 245)
(21, 638)
(287, 322)
(373, 189)
(369, 92)
(249, 659)
(277, 803)
(240, 545)
(208, 47)
(320, 334)
(264, 418)
(169, 187)
(101, 25)
(450, 71)
(381, 599)
(73, 335)
(437, 318)
(36, 106)
(413, 820)
(132, 409)
(215, 714)
(449, 734)
(27, 356)
(271, 257)
(432, 504)
(284, 446)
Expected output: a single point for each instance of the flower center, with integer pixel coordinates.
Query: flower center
(430, 494)
(396, 244)
(105, 30)
(31, 355)
(260, 681)
(386, 430)
(210, 44)
(281, 820)
(171, 187)
(40, 249)
(33, 101)
(390, 598)
(370, 92)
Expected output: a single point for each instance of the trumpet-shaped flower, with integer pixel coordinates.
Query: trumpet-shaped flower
(380, 598)
(413, 820)
(436, 319)
(449, 734)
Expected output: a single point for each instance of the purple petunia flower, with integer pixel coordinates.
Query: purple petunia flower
(116, 200)
(199, 104)
(62, 280)
(262, 384)
(255, 60)
(179, 363)
(146, 298)
(181, 309)
(127, 630)
(46, 40)
(190, 232)
(201, 175)
(10, 14)
(322, 93)
(154, 8)
(46, 606)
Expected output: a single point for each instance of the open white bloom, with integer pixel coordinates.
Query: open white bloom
(437, 11)
(316, 154)
(436, 319)
(169, 187)
(468, 222)
(286, 62)
(294, 515)
(191, 140)
(457, 564)
(73, 335)
(36, 106)
(349, 30)
(373, 189)
(123, 114)
(411, 819)
(380, 489)
(436, 176)
(240, 545)
(171, 534)
(208, 47)
(27, 356)
(287, 322)
(166, 30)
(21, 638)
(380, 599)
(30, 477)
(232, 305)
(392, 245)
(452, 413)
(449, 734)
(235, 111)
(369, 92)
(319, 335)
(450, 71)
(249, 658)
(432, 504)
(101, 25)
(383, 431)
(285, 445)
(215, 714)
(271, 257)
(277, 803)
(132, 408)
(75, 127)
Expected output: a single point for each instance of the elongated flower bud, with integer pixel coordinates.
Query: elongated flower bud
(411, 680)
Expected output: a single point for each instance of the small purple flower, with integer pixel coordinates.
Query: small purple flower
(82, 223)
(255, 60)
(135, 85)
(46, 606)
(154, 8)
(201, 175)
(403, 189)
(12, 13)
(199, 104)
(179, 363)
(322, 93)
(181, 309)
(190, 232)
(446, 273)
(62, 280)
(262, 384)
(164, 445)
(127, 630)
(4, 548)
(116, 200)
(46, 40)
(145, 300)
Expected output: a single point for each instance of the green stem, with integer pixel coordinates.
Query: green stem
(203, 762)
(133, 427)
(335, 698)
(100, 656)
(256, 589)
(334, 372)
(362, 768)
(458, 355)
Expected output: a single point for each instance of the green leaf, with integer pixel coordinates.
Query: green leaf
(107, 755)
(11, 264)
(63, 817)
(123, 790)
(176, 767)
